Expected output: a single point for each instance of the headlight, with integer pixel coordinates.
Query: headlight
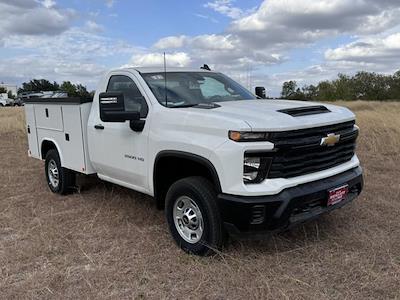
(248, 136)
(255, 167)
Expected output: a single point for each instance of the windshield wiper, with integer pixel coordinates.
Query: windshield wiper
(204, 105)
(182, 105)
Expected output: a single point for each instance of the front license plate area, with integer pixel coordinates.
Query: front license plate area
(337, 195)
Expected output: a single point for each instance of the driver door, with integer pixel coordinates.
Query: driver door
(121, 152)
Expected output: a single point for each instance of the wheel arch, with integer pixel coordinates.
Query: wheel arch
(190, 165)
(48, 144)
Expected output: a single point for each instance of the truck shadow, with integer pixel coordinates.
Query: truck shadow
(140, 211)
(300, 237)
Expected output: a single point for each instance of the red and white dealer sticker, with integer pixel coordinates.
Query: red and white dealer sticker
(337, 195)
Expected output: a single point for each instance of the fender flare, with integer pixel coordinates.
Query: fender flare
(189, 156)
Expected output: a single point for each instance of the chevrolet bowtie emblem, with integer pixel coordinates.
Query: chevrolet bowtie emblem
(331, 140)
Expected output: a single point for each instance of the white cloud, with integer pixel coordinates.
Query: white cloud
(206, 42)
(94, 14)
(48, 3)
(226, 8)
(268, 34)
(92, 26)
(45, 44)
(176, 59)
(74, 55)
(292, 22)
(254, 40)
(372, 53)
(36, 66)
(221, 51)
(32, 18)
(171, 42)
(213, 42)
(75, 44)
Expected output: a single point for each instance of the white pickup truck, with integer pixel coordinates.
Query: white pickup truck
(218, 158)
(4, 100)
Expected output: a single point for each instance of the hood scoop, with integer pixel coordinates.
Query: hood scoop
(305, 111)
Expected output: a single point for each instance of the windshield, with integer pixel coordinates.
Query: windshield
(186, 89)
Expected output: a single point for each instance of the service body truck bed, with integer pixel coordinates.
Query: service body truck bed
(63, 122)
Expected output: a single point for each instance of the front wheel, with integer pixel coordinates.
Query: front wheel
(59, 179)
(193, 216)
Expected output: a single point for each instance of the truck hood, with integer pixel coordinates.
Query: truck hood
(266, 115)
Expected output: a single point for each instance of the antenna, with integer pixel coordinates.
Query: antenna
(165, 81)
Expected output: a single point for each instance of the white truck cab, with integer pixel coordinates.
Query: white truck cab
(217, 158)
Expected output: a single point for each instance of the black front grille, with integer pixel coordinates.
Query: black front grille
(299, 152)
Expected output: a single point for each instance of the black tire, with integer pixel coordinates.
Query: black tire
(66, 177)
(202, 192)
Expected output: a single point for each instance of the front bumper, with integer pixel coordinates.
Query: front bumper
(244, 215)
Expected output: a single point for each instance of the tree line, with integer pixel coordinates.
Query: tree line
(3, 90)
(361, 86)
(43, 85)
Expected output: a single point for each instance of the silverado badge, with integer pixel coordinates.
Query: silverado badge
(330, 140)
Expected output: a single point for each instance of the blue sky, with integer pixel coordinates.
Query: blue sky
(257, 42)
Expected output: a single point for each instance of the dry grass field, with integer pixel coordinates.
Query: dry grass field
(110, 242)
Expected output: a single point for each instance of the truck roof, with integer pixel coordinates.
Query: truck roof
(160, 69)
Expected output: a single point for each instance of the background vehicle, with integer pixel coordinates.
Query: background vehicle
(4, 100)
(18, 102)
(218, 159)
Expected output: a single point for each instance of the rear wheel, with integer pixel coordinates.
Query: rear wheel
(193, 216)
(59, 179)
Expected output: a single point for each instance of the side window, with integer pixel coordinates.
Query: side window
(134, 100)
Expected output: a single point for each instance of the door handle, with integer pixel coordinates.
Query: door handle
(99, 126)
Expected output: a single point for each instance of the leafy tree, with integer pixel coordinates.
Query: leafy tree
(38, 85)
(326, 91)
(362, 86)
(343, 87)
(82, 92)
(10, 95)
(289, 89)
(310, 92)
(394, 90)
(69, 88)
(75, 90)
(298, 95)
(3, 90)
(43, 85)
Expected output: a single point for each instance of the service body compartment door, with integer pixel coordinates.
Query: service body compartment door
(31, 131)
(72, 142)
(49, 116)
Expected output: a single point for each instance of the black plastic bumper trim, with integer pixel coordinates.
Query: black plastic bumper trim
(280, 208)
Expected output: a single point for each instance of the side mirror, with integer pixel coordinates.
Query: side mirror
(260, 92)
(112, 108)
